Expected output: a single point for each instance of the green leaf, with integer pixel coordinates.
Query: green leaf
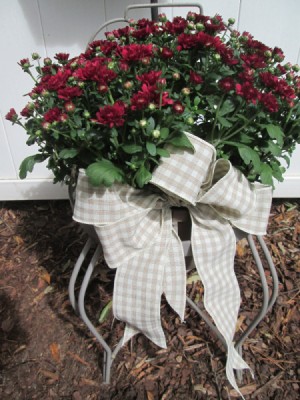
(104, 172)
(181, 140)
(275, 132)
(249, 155)
(226, 108)
(162, 152)
(78, 121)
(132, 148)
(272, 148)
(266, 174)
(150, 125)
(151, 148)
(196, 101)
(68, 153)
(164, 133)
(105, 312)
(142, 176)
(28, 163)
(224, 122)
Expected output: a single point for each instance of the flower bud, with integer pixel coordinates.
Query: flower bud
(47, 61)
(200, 27)
(38, 133)
(178, 107)
(71, 79)
(217, 56)
(69, 106)
(86, 114)
(35, 56)
(45, 93)
(12, 115)
(288, 66)
(296, 68)
(81, 84)
(146, 60)
(63, 118)
(185, 91)
(110, 36)
(46, 125)
(162, 17)
(102, 88)
(74, 65)
(128, 84)
(156, 133)
(268, 53)
(143, 123)
(152, 106)
(161, 83)
(176, 76)
(231, 21)
(132, 22)
(111, 65)
(190, 121)
(191, 26)
(191, 16)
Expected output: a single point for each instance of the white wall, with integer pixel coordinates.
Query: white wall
(50, 26)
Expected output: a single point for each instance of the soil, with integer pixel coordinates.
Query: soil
(46, 352)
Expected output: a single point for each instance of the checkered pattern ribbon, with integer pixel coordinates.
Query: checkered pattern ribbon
(137, 236)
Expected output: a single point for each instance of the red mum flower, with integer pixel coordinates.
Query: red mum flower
(112, 115)
(62, 57)
(150, 77)
(11, 115)
(52, 115)
(248, 91)
(270, 102)
(227, 84)
(167, 53)
(68, 93)
(135, 52)
(142, 98)
(195, 78)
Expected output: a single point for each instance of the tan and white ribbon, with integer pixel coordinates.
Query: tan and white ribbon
(136, 232)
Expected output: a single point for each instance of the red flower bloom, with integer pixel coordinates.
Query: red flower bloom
(26, 112)
(57, 81)
(142, 98)
(52, 115)
(195, 78)
(167, 53)
(227, 84)
(112, 115)
(177, 26)
(11, 115)
(254, 60)
(150, 77)
(69, 92)
(62, 57)
(135, 52)
(270, 102)
(248, 91)
(186, 41)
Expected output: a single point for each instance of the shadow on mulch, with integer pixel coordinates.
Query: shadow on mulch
(47, 352)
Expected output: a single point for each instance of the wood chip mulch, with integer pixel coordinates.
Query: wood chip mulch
(46, 352)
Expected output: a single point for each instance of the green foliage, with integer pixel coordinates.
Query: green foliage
(125, 103)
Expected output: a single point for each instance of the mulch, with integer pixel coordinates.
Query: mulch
(46, 352)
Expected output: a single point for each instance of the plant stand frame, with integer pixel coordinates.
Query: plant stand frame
(180, 220)
(179, 217)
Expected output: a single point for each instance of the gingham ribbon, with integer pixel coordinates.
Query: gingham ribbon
(137, 236)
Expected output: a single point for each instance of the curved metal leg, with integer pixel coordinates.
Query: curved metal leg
(107, 359)
(268, 301)
(75, 272)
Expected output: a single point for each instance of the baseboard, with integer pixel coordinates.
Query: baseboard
(44, 189)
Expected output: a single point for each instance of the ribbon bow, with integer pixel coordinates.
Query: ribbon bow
(136, 232)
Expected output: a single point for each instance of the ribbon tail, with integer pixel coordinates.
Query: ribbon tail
(213, 245)
(175, 273)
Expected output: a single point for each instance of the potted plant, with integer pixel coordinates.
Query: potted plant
(116, 108)
(188, 113)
